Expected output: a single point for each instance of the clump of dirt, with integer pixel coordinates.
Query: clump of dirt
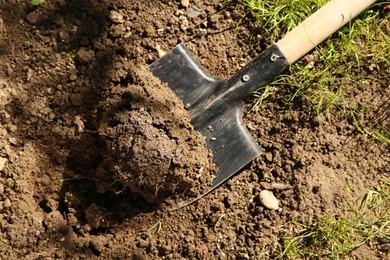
(151, 146)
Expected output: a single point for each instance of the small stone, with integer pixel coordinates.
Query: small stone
(64, 36)
(160, 51)
(3, 161)
(7, 204)
(32, 17)
(85, 55)
(73, 77)
(150, 31)
(185, 3)
(310, 65)
(12, 140)
(79, 123)
(192, 12)
(1, 188)
(268, 157)
(268, 200)
(116, 17)
(184, 24)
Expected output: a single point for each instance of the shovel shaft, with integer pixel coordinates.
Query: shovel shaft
(328, 19)
(258, 72)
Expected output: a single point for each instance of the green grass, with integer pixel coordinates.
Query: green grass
(157, 227)
(280, 16)
(332, 237)
(330, 81)
(330, 76)
(37, 2)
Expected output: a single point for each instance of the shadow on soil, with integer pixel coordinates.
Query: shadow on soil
(82, 25)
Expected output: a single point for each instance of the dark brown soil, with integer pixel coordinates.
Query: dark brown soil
(151, 147)
(91, 143)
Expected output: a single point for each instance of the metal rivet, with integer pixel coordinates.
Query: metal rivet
(245, 78)
(274, 57)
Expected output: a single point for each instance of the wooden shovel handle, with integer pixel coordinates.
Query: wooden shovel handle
(319, 26)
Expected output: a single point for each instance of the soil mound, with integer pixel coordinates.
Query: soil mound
(151, 146)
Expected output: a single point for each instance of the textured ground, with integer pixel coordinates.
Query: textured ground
(75, 95)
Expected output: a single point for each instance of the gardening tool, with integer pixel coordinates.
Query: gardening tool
(215, 105)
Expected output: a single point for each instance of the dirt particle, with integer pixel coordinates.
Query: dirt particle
(116, 17)
(85, 55)
(184, 25)
(185, 3)
(160, 51)
(7, 203)
(76, 99)
(79, 123)
(3, 161)
(117, 30)
(150, 31)
(140, 257)
(143, 243)
(32, 17)
(73, 77)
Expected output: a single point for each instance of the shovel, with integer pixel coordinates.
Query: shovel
(215, 105)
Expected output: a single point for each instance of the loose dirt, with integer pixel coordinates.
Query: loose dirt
(91, 145)
(151, 147)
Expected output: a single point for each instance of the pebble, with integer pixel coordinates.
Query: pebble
(160, 51)
(268, 200)
(116, 17)
(3, 161)
(7, 204)
(192, 12)
(79, 123)
(185, 3)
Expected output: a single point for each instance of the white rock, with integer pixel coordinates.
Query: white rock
(268, 200)
(3, 161)
(160, 51)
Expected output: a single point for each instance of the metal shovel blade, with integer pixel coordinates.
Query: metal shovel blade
(215, 105)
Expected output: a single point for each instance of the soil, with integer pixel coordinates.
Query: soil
(150, 145)
(92, 145)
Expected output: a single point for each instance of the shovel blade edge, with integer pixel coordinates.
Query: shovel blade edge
(231, 143)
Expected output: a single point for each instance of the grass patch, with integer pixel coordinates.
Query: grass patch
(332, 237)
(330, 78)
(280, 16)
(37, 2)
(156, 227)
